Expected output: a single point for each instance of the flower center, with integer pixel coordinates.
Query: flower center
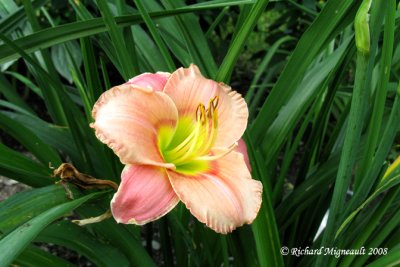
(188, 146)
(201, 138)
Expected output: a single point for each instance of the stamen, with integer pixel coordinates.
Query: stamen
(201, 113)
(198, 113)
(212, 114)
(212, 106)
(192, 146)
(184, 142)
(211, 132)
(180, 150)
(218, 156)
(215, 101)
(184, 151)
(201, 139)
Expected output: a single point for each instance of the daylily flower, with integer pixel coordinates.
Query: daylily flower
(178, 135)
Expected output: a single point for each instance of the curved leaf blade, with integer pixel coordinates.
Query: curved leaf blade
(15, 242)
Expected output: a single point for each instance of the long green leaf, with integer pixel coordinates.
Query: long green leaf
(392, 259)
(193, 36)
(56, 136)
(26, 205)
(40, 150)
(50, 93)
(311, 43)
(265, 227)
(119, 236)
(124, 58)
(239, 41)
(74, 237)
(59, 34)
(8, 24)
(311, 86)
(11, 95)
(19, 167)
(33, 257)
(156, 36)
(385, 186)
(14, 243)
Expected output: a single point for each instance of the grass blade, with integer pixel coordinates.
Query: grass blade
(156, 36)
(33, 257)
(71, 31)
(76, 238)
(311, 43)
(23, 206)
(238, 42)
(124, 58)
(14, 243)
(264, 227)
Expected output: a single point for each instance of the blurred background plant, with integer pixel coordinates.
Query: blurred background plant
(322, 135)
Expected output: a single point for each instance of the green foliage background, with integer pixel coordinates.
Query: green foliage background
(323, 128)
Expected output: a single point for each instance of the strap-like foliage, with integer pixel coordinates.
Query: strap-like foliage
(321, 80)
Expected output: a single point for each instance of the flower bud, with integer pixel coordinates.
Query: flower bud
(361, 27)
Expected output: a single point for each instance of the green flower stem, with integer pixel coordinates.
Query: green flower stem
(374, 127)
(354, 127)
(349, 152)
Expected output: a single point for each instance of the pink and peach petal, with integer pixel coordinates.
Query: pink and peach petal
(128, 119)
(242, 148)
(154, 81)
(223, 198)
(145, 194)
(232, 116)
(188, 88)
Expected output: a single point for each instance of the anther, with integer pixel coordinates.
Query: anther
(201, 113)
(212, 106)
(215, 101)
